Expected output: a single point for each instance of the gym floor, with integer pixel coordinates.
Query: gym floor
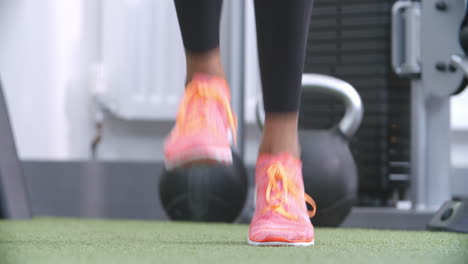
(60, 240)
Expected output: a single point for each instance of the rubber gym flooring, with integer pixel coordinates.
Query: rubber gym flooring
(58, 240)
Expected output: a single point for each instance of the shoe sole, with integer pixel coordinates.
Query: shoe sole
(278, 243)
(200, 155)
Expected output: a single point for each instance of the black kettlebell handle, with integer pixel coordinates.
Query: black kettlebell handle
(352, 118)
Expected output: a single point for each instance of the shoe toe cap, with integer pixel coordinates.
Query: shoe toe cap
(269, 232)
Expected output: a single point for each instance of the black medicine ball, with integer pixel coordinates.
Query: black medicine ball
(207, 193)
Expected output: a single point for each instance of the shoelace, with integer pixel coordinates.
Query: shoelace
(278, 174)
(203, 91)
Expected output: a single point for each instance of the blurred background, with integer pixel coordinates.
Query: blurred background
(73, 70)
(63, 62)
(51, 55)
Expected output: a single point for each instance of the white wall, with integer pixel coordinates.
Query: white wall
(43, 57)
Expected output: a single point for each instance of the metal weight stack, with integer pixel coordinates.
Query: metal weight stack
(350, 39)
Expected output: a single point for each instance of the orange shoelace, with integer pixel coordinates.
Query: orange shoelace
(276, 174)
(203, 91)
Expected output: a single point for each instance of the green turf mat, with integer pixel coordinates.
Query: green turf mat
(56, 240)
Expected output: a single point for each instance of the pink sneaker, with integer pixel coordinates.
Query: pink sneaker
(204, 126)
(281, 217)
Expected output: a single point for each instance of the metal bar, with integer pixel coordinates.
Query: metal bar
(14, 202)
(418, 146)
(235, 66)
(438, 152)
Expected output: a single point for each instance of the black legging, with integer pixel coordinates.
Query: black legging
(282, 27)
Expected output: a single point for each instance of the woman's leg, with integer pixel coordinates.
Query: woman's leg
(205, 122)
(282, 28)
(281, 216)
(199, 24)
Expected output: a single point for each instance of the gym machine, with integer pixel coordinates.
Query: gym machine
(427, 50)
(429, 45)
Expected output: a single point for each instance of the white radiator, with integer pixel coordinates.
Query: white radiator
(142, 69)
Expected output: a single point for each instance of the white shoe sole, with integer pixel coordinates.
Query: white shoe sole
(294, 244)
(216, 154)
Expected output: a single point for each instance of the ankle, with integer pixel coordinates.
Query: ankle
(208, 63)
(280, 134)
(288, 144)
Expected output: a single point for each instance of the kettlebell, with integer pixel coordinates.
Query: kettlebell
(328, 167)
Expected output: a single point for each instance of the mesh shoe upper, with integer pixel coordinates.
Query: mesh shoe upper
(204, 119)
(281, 213)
